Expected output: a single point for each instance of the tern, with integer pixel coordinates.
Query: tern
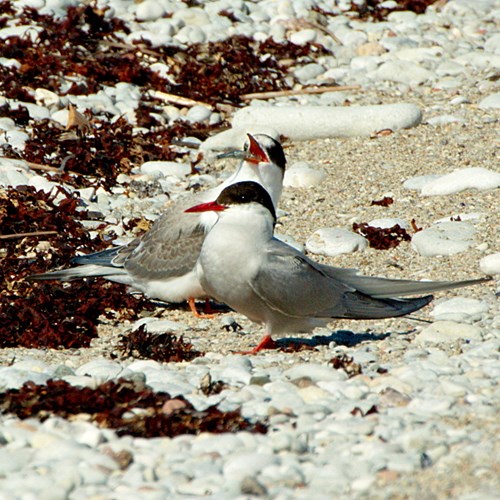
(161, 263)
(244, 266)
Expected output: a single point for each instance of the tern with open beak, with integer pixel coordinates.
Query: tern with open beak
(242, 265)
(161, 263)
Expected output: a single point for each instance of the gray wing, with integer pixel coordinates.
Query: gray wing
(170, 248)
(289, 282)
(384, 287)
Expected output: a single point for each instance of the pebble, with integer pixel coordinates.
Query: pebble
(490, 102)
(459, 180)
(448, 331)
(158, 168)
(403, 72)
(335, 241)
(328, 121)
(490, 264)
(460, 310)
(388, 223)
(302, 175)
(445, 238)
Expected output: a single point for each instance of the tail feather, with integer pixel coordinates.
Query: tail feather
(380, 288)
(360, 306)
(86, 271)
(102, 258)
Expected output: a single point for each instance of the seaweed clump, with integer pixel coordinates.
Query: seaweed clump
(130, 409)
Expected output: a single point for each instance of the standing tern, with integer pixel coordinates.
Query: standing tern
(161, 263)
(244, 266)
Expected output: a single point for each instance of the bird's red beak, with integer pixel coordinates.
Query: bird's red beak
(255, 153)
(211, 206)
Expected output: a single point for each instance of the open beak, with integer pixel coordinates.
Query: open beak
(211, 206)
(255, 153)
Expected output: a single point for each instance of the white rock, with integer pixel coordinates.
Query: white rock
(400, 71)
(13, 172)
(302, 175)
(314, 371)
(444, 120)
(470, 217)
(42, 184)
(318, 122)
(450, 68)
(10, 63)
(235, 137)
(448, 331)
(459, 180)
(100, 368)
(25, 31)
(493, 44)
(44, 97)
(335, 241)
(303, 36)
(446, 238)
(490, 264)
(15, 138)
(149, 10)
(388, 223)
(420, 181)
(154, 325)
(165, 168)
(7, 124)
(198, 114)
(460, 309)
(429, 405)
(490, 102)
(242, 464)
(309, 72)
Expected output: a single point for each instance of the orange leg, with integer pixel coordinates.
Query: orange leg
(192, 306)
(266, 343)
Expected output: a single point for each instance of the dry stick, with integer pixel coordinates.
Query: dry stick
(39, 166)
(176, 99)
(311, 90)
(23, 235)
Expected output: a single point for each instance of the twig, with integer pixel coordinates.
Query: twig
(309, 90)
(39, 166)
(176, 99)
(23, 235)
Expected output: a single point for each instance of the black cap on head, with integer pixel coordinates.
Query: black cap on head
(246, 192)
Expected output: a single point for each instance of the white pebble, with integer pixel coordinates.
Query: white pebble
(403, 72)
(335, 241)
(303, 37)
(444, 120)
(446, 238)
(490, 102)
(460, 309)
(448, 331)
(165, 168)
(460, 180)
(388, 223)
(301, 175)
(318, 122)
(149, 10)
(490, 264)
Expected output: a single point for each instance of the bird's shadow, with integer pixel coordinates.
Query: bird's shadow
(340, 337)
